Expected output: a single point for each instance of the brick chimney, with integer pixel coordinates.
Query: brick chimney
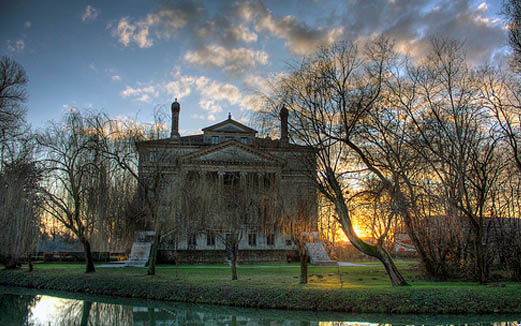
(283, 126)
(176, 108)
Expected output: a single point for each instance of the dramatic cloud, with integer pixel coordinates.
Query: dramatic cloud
(223, 31)
(239, 38)
(234, 60)
(166, 22)
(301, 38)
(414, 24)
(141, 94)
(90, 14)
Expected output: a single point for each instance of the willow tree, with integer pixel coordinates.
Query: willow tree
(330, 97)
(118, 142)
(71, 174)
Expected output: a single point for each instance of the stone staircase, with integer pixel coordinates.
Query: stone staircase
(318, 254)
(139, 254)
(140, 251)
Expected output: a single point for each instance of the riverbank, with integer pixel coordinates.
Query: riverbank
(344, 289)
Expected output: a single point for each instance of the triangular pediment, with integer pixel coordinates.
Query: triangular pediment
(229, 126)
(231, 152)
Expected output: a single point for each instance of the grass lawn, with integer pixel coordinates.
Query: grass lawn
(262, 275)
(347, 288)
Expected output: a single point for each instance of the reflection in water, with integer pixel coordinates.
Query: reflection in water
(36, 310)
(16, 309)
(80, 313)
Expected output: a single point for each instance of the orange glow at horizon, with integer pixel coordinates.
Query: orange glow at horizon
(361, 232)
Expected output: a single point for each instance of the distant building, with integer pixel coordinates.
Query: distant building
(230, 154)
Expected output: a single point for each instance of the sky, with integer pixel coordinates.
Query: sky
(127, 57)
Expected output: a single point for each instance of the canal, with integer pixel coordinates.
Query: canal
(31, 307)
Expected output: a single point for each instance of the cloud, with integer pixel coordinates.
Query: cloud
(141, 94)
(15, 46)
(128, 32)
(223, 31)
(166, 22)
(234, 60)
(212, 93)
(90, 14)
(179, 88)
(301, 38)
(207, 117)
(27, 24)
(193, 18)
(414, 24)
(116, 78)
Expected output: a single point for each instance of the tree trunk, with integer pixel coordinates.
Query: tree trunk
(151, 316)
(176, 256)
(235, 252)
(10, 262)
(87, 305)
(480, 261)
(378, 251)
(89, 267)
(303, 268)
(390, 267)
(30, 261)
(153, 255)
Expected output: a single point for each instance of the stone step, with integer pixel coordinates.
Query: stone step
(318, 254)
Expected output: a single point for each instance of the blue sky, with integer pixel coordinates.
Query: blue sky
(125, 58)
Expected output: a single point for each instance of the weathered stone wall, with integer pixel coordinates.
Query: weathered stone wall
(219, 256)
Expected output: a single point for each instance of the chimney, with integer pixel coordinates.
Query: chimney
(283, 126)
(175, 119)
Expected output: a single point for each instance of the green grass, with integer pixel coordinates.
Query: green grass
(347, 288)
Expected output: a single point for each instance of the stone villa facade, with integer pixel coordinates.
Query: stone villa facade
(231, 155)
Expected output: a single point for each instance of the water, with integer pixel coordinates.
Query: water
(30, 307)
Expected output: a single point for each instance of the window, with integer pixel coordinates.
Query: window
(270, 239)
(244, 140)
(215, 140)
(192, 240)
(231, 178)
(252, 239)
(229, 238)
(152, 156)
(228, 138)
(210, 239)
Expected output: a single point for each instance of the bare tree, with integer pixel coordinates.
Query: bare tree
(298, 221)
(19, 177)
(458, 159)
(19, 212)
(72, 172)
(226, 206)
(500, 95)
(329, 98)
(119, 142)
(512, 13)
(13, 81)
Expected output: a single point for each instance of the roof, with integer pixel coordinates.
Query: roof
(230, 125)
(198, 140)
(236, 152)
